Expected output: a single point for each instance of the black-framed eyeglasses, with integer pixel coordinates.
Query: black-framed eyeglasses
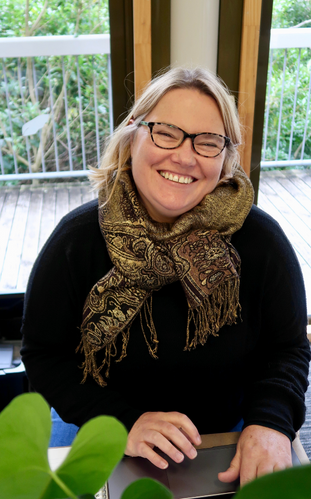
(168, 136)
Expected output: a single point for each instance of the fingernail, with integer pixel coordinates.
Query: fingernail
(179, 457)
(164, 465)
(193, 453)
(198, 440)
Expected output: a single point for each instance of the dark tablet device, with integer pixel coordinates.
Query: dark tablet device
(190, 479)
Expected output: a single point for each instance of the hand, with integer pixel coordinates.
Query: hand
(259, 451)
(172, 432)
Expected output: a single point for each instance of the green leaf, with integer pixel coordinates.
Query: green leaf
(293, 483)
(146, 488)
(95, 452)
(25, 427)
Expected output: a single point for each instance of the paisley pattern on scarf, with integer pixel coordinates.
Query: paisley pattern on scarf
(147, 255)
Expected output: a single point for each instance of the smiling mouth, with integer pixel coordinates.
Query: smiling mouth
(179, 179)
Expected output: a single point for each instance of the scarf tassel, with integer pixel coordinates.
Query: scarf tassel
(220, 308)
(90, 366)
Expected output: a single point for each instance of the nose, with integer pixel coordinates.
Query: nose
(185, 154)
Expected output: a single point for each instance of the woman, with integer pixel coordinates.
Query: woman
(189, 300)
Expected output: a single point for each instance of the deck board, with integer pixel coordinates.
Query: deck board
(31, 240)
(12, 260)
(62, 203)
(286, 196)
(286, 214)
(24, 228)
(48, 216)
(6, 222)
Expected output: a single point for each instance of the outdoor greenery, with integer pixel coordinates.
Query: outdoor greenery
(25, 88)
(25, 85)
(286, 14)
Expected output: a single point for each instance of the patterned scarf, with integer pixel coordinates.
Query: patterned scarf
(147, 255)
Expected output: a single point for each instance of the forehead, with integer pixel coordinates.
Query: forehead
(190, 110)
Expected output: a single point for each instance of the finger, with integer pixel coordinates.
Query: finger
(148, 453)
(163, 444)
(264, 469)
(178, 439)
(233, 471)
(248, 471)
(181, 421)
(153, 438)
(282, 466)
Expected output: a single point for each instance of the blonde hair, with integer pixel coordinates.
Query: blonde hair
(117, 156)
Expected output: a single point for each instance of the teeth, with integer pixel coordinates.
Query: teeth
(176, 178)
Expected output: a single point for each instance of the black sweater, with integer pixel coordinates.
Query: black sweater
(256, 369)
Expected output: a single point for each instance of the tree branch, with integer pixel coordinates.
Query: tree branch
(78, 17)
(18, 157)
(302, 24)
(47, 127)
(300, 146)
(27, 18)
(37, 21)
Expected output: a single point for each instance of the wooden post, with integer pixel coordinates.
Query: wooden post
(248, 76)
(142, 44)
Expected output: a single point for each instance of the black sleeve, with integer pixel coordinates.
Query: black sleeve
(274, 395)
(71, 262)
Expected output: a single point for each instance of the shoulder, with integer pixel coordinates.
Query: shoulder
(265, 249)
(77, 227)
(76, 238)
(260, 229)
(75, 252)
(78, 219)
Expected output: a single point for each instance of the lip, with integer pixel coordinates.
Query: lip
(163, 172)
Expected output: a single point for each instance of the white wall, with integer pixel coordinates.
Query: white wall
(194, 33)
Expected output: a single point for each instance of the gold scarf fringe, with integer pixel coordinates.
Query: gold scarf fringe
(220, 308)
(89, 365)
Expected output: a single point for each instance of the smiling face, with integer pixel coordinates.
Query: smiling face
(172, 182)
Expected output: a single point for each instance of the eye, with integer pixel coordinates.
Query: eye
(209, 142)
(205, 143)
(163, 133)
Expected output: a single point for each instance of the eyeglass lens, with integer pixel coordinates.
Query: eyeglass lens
(169, 137)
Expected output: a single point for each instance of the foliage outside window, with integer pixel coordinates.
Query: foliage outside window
(289, 14)
(46, 18)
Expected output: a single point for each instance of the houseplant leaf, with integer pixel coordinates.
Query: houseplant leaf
(96, 450)
(146, 488)
(25, 427)
(293, 483)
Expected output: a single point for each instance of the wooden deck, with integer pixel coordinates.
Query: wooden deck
(286, 196)
(28, 215)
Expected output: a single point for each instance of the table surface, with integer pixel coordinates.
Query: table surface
(57, 455)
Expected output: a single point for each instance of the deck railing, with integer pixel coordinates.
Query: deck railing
(56, 111)
(55, 105)
(286, 139)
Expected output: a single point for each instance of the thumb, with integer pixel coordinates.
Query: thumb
(233, 472)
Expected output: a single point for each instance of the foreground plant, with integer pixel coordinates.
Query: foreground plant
(293, 483)
(25, 473)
